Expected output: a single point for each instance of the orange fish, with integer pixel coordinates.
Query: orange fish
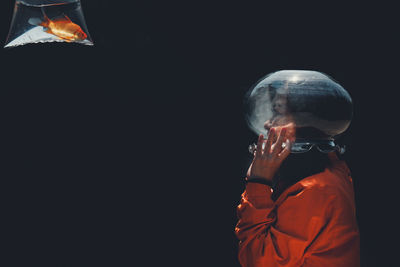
(63, 28)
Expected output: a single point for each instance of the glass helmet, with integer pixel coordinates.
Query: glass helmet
(319, 108)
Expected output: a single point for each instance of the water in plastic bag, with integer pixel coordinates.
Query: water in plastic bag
(41, 21)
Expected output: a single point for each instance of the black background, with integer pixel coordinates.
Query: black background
(132, 152)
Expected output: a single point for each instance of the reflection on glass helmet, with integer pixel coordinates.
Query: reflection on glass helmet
(39, 21)
(318, 106)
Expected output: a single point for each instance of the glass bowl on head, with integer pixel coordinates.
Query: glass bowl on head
(312, 103)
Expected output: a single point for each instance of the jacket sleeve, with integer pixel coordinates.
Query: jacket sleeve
(256, 215)
(299, 233)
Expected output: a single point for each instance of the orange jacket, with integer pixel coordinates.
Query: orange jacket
(312, 223)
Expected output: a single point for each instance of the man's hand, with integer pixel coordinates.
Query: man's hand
(269, 155)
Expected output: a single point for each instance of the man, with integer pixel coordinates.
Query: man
(297, 209)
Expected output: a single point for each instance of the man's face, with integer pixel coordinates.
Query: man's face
(279, 105)
(280, 114)
(281, 117)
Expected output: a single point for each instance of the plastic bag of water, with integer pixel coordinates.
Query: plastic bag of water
(41, 21)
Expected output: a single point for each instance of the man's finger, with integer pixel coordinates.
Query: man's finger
(259, 145)
(278, 145)
(271, 136)
(285, 152)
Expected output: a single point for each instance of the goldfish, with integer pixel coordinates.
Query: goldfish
(62, 27)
